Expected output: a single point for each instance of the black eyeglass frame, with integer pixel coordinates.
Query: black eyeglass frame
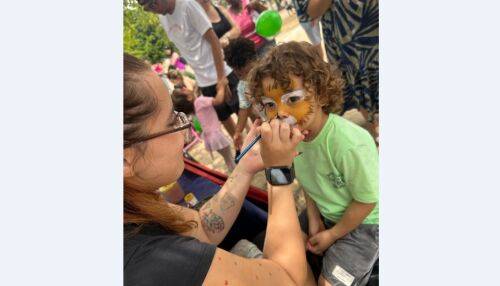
(179, 117)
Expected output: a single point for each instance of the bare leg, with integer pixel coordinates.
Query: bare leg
(228, 157)
(310, 277)
(230, 126)
(323, 282)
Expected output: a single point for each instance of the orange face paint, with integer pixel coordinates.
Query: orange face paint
(293, 106)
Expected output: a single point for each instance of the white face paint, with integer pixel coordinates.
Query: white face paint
(288, 102)
(290, 120)
(293, 97)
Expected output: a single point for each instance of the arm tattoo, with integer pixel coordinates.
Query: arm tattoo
(212, 222)
(227, 201)
(231, 178)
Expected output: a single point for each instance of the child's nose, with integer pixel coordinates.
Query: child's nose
(282, 114)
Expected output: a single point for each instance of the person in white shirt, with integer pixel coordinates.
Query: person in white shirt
(188, 26)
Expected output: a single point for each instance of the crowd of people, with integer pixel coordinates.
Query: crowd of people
(224, 75)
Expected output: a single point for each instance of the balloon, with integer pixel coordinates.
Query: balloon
(268, 23)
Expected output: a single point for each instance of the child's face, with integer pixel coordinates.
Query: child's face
(242, 73)
(297, 107)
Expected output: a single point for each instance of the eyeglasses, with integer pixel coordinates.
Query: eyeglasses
(181, 122)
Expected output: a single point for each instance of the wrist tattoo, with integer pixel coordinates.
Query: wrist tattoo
(231, 178)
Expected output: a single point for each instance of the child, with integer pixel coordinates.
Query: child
(240, 55)
(338, 164)
(212, 135)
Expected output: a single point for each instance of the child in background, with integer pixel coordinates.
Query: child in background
(212, 135)
(338, 167)
(176, 77)
(240, 55)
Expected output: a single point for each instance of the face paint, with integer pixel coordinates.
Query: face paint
(292, 107)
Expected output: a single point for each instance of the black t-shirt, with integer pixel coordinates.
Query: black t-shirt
(155, 256)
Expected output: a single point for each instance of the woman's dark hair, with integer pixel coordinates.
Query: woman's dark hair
(139, 105)
(240, 52)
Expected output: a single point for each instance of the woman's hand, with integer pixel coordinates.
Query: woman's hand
(252, 160)
(278, 143)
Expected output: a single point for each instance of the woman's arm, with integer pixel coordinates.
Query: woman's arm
(219, 98)
(284, 250)
(218, 214)
(317, 8)
(284, 262)
(257, 6)
(231, 34)
(212, 39)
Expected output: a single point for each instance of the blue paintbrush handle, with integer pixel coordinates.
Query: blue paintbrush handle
(257, 138)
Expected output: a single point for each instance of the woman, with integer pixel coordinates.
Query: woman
(350, 33)
(166, 243)
(244, 13)
(224, 26)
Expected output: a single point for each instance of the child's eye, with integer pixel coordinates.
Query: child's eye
(268, 103)
(293, 97)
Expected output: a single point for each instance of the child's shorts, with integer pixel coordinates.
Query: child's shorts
(349, 261)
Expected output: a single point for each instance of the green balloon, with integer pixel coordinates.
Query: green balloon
(268, 23)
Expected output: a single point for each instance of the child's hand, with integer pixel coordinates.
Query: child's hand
(315, 227)
(238, 140)
(278, 143)
(222, 84)
(320, 242)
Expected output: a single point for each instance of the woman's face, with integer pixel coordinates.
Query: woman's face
(162, 161)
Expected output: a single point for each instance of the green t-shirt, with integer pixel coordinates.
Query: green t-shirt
(339, 165)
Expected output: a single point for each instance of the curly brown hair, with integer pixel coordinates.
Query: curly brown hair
(303, 60)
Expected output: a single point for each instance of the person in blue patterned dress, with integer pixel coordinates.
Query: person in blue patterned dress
(350, 33)
(310, 26)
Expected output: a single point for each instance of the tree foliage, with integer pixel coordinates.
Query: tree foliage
(143, 36)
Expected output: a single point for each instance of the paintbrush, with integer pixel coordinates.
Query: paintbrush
(255, 140)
